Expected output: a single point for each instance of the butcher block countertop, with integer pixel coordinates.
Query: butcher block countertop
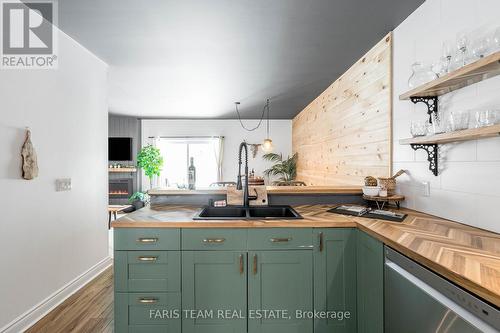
(467, 256)
(270, 189)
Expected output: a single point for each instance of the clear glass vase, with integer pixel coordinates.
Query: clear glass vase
(421, 74)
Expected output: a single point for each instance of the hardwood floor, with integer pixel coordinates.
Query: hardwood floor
(89, 310)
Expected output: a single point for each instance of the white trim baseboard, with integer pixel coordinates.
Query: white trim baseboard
(30, 317)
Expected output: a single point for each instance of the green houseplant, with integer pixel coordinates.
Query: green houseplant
(138, 199)
(150, 160)
(286, 169)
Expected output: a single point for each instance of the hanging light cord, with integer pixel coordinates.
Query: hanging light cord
(260, 120)
(267, 106)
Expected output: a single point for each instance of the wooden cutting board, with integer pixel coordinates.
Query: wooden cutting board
(235, 197)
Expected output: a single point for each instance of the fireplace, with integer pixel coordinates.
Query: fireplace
(120, 188)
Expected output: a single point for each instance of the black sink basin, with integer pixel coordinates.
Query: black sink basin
(222, 213)
(252, 213)
(282, 212)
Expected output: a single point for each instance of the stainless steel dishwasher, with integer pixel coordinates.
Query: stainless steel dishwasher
(418, 300)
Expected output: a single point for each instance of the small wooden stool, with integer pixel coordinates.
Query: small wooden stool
(381, 201)
(113, 209)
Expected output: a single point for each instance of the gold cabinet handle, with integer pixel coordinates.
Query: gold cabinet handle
(280, 240)
(254, 264)
(147, 240)
(147, 258)
(214, 240)
(320, 242)
(148, 300)
(241, 264)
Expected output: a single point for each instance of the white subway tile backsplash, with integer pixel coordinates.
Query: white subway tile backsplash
(488, 149)
(457, 206)
(485, 216)
(469, 184)
(482, 178)
(460, 151)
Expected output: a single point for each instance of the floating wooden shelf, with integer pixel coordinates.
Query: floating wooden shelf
(477, 71)
(465, 135)
(122, 169)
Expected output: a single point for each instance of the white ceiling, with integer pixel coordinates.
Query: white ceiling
(194, 58)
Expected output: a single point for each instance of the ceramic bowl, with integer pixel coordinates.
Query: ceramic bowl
(372, 191)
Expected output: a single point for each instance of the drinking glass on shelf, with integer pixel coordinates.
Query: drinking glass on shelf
(459, 120)
(418, 128)
(462, 47)
(446, 55)
(480, 47)
(438, 124)
(486, 118)
(496, 39)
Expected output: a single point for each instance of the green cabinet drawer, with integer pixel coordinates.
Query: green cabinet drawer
(147, 271)
(279, 238)
(146, 239)
(148, 312)
(214, 239)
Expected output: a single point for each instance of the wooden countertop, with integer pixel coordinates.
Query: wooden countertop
(468, 256)
(270, 189)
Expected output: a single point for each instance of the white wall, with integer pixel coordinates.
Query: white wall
(49, 238)
(468, 189)
(280, 133)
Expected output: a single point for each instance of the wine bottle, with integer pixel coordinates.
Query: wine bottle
(192, 175)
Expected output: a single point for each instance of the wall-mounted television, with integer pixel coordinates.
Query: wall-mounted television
(120, 149)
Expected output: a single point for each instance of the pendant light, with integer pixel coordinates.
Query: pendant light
(267, 145)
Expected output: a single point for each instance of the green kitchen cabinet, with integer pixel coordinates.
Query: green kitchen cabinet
(335, 279)
(214, 281)
(280, 280)
(370, 284)
(147, 312)
(147, 271)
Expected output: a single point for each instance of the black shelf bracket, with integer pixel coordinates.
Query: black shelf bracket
(432, 155)
(430, 101)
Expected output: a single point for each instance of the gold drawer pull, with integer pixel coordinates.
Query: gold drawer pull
(147, 300)
(280, 240)
(214, 240)
(147, 240)
(321, 242)
(241, 264)
(147, 258)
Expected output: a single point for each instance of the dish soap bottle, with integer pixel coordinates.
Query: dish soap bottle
(192, 175)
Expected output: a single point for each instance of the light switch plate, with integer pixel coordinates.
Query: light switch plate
(63, 184)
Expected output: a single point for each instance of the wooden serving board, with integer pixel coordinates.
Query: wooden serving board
(235, 197)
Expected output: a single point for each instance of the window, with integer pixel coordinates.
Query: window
(177, 152)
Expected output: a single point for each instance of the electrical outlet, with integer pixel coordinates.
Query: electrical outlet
(63, 184)
(426, 189)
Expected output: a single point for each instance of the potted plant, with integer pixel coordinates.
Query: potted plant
(138, 200)
(150, 160)
(286, 169)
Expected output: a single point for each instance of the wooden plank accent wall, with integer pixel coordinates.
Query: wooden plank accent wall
(345, 134)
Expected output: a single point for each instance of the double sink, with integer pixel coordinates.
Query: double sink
(247, 213)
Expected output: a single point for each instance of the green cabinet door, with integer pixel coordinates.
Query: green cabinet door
(213, 282)
(279, 280)
(335, 280)
(370, 279)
